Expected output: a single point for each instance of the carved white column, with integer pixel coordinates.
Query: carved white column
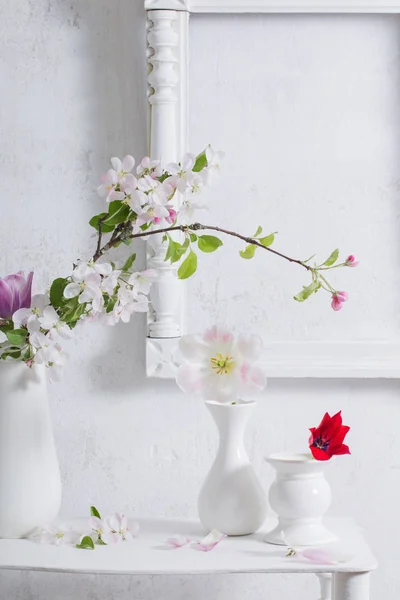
(167, 41)
(351, 586)
(325, 582)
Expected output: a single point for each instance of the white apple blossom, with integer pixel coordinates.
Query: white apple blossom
(152, 214)
(47, 352)
(142, 280)
(123, 312)
(88, 290)
(51, 321)
(181, 173)
(110, 282)
(157, 193)
(149, 167)
(83, 269)
(3, 337)
(104, 532)
(188, 209)
(214, 160)
(29, 316)
(58, 535)
(119, 525)
(107, 189)
(219, 367)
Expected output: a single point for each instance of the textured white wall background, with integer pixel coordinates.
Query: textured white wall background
(72, 79)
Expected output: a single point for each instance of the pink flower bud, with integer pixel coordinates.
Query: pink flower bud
(342, 296)
(337, 300)
(351, 261)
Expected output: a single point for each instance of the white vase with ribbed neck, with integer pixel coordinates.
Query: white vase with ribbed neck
(232, 499)
(30, 484)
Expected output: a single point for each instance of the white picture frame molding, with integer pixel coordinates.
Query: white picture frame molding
(168, 37)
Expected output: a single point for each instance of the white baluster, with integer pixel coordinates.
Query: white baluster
(167, 38)
(325, 582)
(351, 586)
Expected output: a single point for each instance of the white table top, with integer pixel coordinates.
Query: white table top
(149, 553)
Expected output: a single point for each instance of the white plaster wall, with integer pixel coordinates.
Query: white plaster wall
(72, 78)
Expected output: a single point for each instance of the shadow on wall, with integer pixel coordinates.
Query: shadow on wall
(111, 50)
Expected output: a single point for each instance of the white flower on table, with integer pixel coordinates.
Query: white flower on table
(119, 525)
(103, 531)
(220, 367)
(58, 535)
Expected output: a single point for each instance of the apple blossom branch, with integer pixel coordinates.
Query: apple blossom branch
(123, 235)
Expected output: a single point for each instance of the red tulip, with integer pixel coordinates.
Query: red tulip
(326, 440)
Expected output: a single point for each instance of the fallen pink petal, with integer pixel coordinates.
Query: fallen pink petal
(211, 540)
(317, 556)
(178, 541)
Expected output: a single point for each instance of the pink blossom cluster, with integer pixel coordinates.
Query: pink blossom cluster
(150, 192)
(339, 298)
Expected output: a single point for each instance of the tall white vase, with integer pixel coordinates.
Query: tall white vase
(30, 484)
(232, 499)
(300, 495)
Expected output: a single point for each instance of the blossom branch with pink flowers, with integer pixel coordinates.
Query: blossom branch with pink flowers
(33, 328)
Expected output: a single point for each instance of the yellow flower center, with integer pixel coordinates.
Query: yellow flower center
(59, 535)
(222, 365)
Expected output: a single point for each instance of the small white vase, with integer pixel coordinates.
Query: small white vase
(300, 495)
(232, 499)
(30, 484)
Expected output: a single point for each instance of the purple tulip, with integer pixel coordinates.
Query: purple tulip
(15, 293)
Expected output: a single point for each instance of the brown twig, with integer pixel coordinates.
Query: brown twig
(121, 235)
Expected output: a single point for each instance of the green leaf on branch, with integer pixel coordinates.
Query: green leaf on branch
(94, 512)
(57, 292)
(248, 252)
(307, 291)
(208, 243)
(201, 162)
(94, 222)
(128, 265)
(267, 240)
(189, 266)
(72, 312)
(258, 232)
(6, 326)
(332, 258)
(118, 213)
(176, 250)
(86, 543)
(193, 237)
(16, 354)
(17, 337)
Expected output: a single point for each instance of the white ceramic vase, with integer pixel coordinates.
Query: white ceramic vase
(30, 484)
(232, 499)
(300, 495)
